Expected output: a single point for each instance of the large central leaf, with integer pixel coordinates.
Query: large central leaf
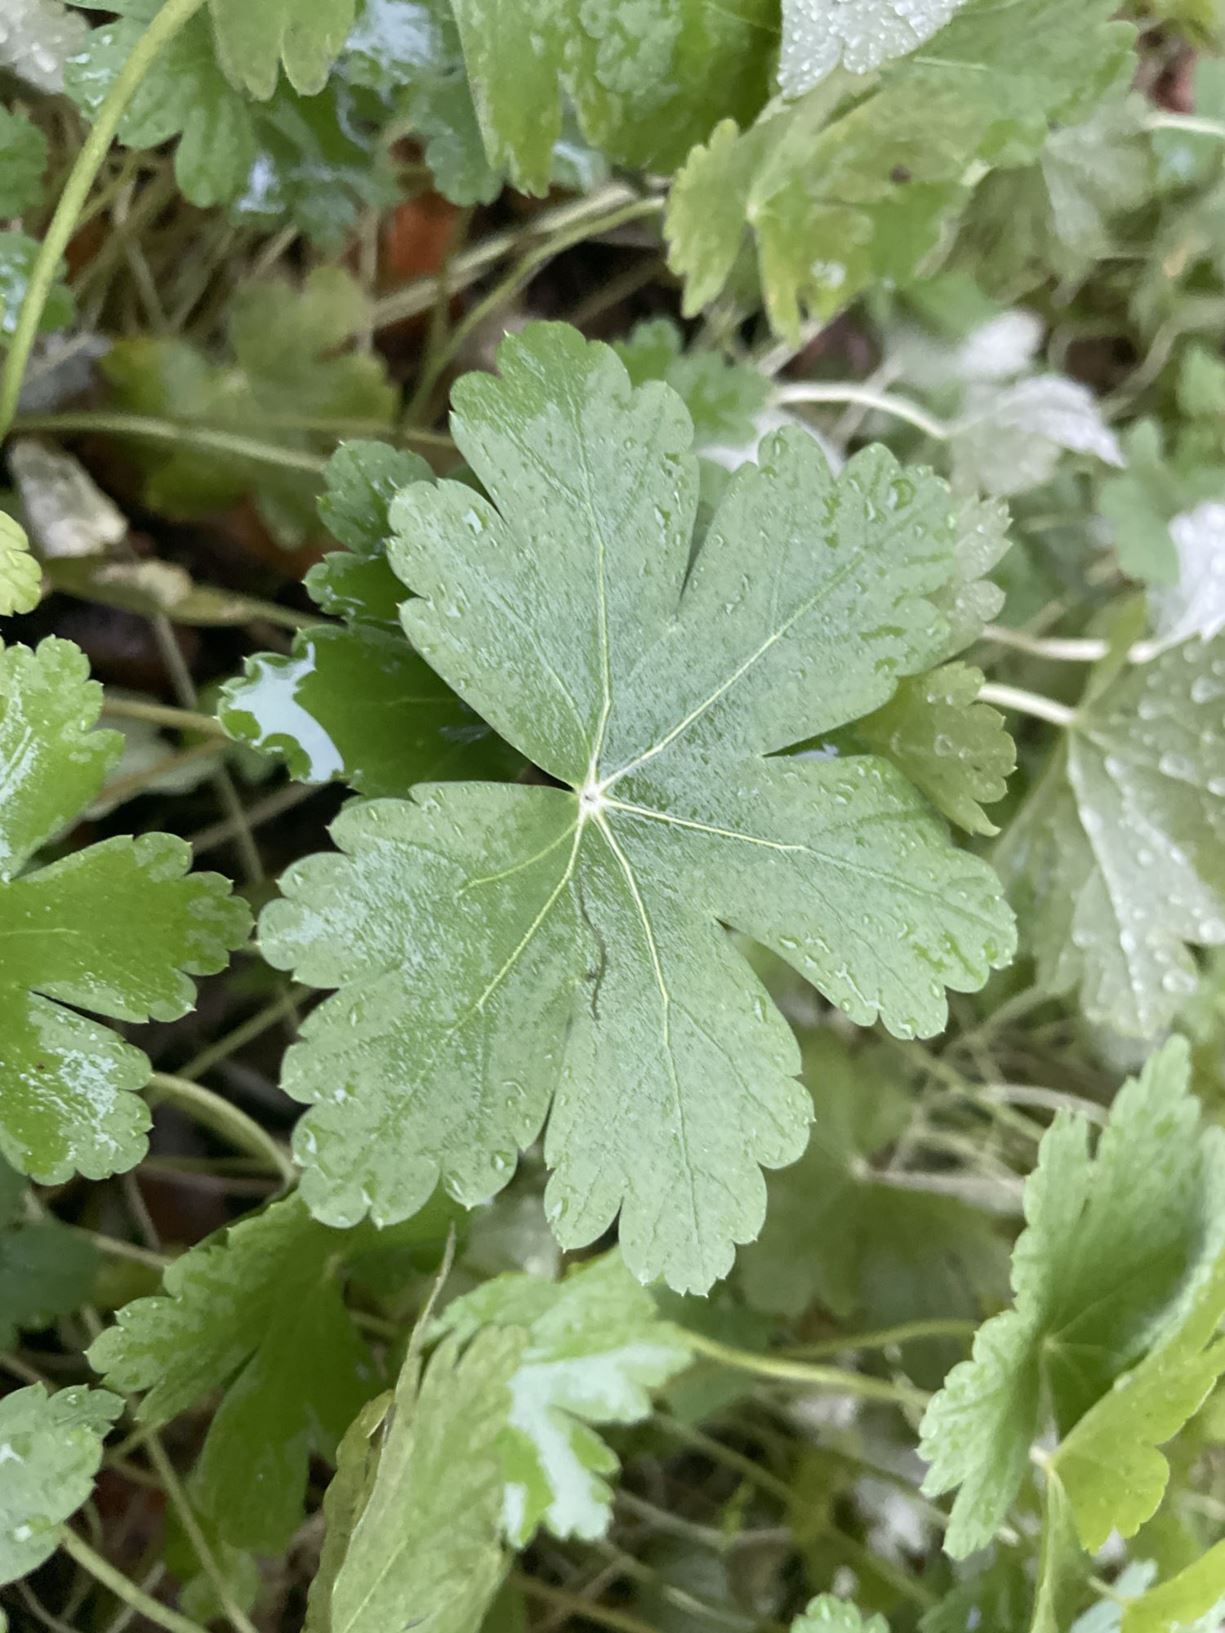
(502, 948)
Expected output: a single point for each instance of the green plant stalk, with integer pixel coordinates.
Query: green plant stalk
(161, 1615)
(225, 1119)
(161, 714)
(189, 436)
(173, 1487)
(802, 1372)
(169, 21)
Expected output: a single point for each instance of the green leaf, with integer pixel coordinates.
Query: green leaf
(23, 158)
(1010, 438)
(1193, 608)
(860, 36)
(1196, 1591)
(1114, 1246)
(17, 256)
(356, 702)
(580, 948)
(838, 189)
(254, 41)
(20, 574)
(645, 85)
(302, 158)
(115, 929)
(257, 1311)
(184, 94)
(595, 1349)
(40, 36)
(953, 748)
(1117, 858)
(1109, 1464)
(52, 1449)
(45, 1269)
(837, 1233)
(827, 1614)
(423, 1510)
(1059, 214)
(290, 377)
(722, 397)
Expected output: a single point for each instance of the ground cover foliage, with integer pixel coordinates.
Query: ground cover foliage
(612, 816)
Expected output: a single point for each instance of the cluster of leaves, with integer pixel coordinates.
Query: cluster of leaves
(759, 1017)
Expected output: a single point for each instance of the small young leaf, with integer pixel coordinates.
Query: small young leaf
(20, 575)
(50, 1450)
(1115, 1245)
(424, 1543)
(595, 1349)
(580, 947)
(257, 1311)
(115, 929)
(953, 748)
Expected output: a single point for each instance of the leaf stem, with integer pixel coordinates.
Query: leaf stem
(521, 274)
(190, 436)
(105, 1573)
(801, 1372)
(1042, 708)
(619, 1620)
(280, 1007)
(1190, 124)
(884, 402)
(161, 714)
(168, 22)
(1059, 649)
(224, 1119)
(906, 1332)
(173, 1487)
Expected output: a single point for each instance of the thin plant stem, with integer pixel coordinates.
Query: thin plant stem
(115, 1248)
(420, 295)
(780, 1369)
(225, 1119)
(173, 1487)
(264, 810)
(521, 275)
(253, 1027)
(169, 21)
(1056, 648)
(1188, 124)
(126, 788)
(149, 429)
(102, 1571)
(619, 1620)
(901, 408)
(161, 714)
(1042, 708)
(906, 1332)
